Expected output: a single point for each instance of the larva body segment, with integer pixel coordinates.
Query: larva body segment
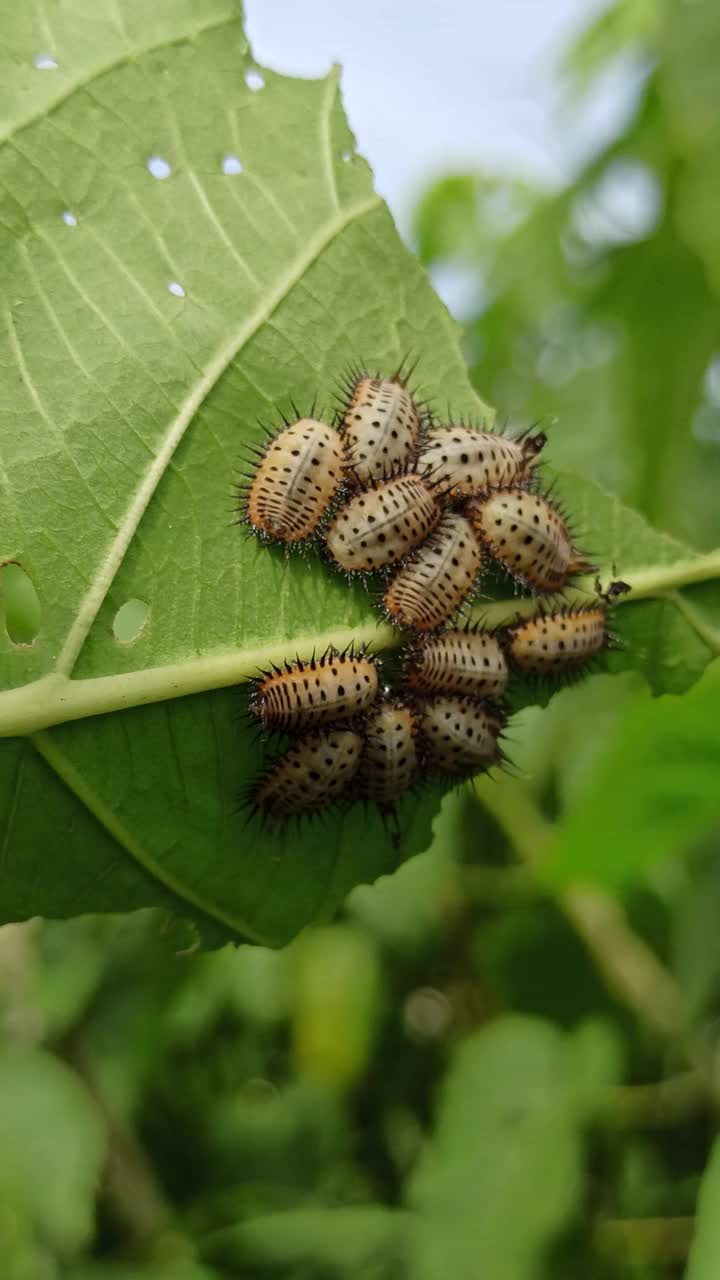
(463, 660)
(312, 774)
(380, 427)
(526, 534)
(470, 462)
(460, 735)
(427, 590)
(381, 524)
(389, 760)
(551, 644)
(308, 694)
(295, 481)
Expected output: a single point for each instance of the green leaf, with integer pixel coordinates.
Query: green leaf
(704, 1260)
(501, 1176)
(121, 418)
(51, 1179)
(652, 793)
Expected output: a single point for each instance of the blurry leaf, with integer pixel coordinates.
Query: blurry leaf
(445, 220)
(653, 793)
(704, 1260)
(176, 1270)
(51, 1147)
(502, 1176)
(366, 1240)
(336, 1004)
(695, 929)
(624, 25)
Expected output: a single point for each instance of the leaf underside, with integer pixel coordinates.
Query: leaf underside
(123, 405)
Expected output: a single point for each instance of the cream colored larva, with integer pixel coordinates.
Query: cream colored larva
(524, 532)
(308, 693)
(389, 762)
(382, 524)
(295, 481)
(460, 735)
(429, 589)
(552, 644)
(380, 427)
(470, 462)
(465, 660)
(312, 774)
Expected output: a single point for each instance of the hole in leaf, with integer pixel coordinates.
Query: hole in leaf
(347, 156)
(159, 167)
(231, 165)
(45, 62)
(69, 219)
(176, 289)
(254, 80)
(21, 604)
(129, 621)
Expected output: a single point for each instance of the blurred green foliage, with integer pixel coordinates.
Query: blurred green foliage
(482, 1069)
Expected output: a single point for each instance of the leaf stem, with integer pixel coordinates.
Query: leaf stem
(628, 965)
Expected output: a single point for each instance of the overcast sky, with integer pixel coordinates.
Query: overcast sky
(435, 86)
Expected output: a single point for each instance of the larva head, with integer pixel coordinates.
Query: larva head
(380, 426)
(526, 534)
(463, 660)
(313, 774)
(308, 693)
(558, 644)
(470, 462)
(460, 735)
(294, 482)
(389, 762)
(427, 590)
(380, 525)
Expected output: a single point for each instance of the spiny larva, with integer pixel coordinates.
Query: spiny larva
(472, 462)
(379, 525)
(296, 478)
(312, 692)
(528, 535)
(465, 660)
(380, 425)
(460, 735)
(564, 641)
(311, 775)
(389, 760)
(427, 590)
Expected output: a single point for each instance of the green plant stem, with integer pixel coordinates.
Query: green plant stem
(629, 967)
(57, 698)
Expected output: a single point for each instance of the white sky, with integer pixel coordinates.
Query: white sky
(436, 86)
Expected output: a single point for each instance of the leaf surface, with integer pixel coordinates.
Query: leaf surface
(184, 253)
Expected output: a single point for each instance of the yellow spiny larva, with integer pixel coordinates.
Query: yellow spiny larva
(471, 462)
(306, 693)
(313, 773)
(294, 482)
(380, 427)
(427, 590)
(389, 761)
(460, 735)
(379, 525)
(525, 533)
(465, 660)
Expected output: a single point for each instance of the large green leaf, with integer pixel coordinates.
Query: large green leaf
(704, 1260)
(123, 407)
(502, 1175)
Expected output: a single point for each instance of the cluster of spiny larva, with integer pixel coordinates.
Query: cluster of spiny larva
(359, 741)
(389, 491)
